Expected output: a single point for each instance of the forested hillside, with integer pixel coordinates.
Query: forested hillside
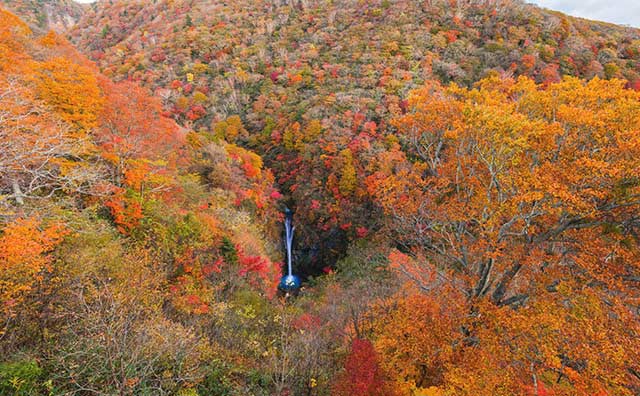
(117, 225)
(317, 82)
(463, 175)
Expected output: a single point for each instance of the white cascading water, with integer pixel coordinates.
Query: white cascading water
(289, 229)
(289, 282)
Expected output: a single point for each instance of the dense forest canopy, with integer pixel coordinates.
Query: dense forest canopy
(464, 177)
(307, 78)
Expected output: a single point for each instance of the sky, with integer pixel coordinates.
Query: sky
(622, 12)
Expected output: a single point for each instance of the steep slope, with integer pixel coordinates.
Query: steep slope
(115, 226)
(45, 15)
(467, 38)
(315, 82)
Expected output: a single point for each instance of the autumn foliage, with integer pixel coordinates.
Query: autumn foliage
(463, 177)
(25, 248)
(362, 375)
(106, 217)
(516, 196)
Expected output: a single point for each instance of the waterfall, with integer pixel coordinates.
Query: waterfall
(289, 282)
(288, 230)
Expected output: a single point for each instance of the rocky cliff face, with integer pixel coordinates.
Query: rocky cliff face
(45, 15)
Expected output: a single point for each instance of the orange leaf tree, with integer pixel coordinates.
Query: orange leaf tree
(525, 198)
(24, 255)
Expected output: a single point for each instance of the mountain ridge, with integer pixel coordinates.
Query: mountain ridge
(45, 15)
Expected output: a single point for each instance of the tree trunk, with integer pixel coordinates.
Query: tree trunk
(17, 193)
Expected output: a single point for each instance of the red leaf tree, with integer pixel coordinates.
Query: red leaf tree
(362, 375)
